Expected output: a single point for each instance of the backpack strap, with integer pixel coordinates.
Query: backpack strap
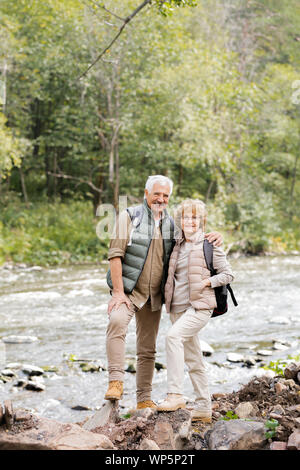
(208, 255)
(136, 214)
(232, 295)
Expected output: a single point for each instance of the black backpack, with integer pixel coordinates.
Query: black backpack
(221, 291)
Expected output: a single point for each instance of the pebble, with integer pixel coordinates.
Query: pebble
(80, 408)
(19, 339)
(30, 370)
(234, 357)
(206, 349)
(159, 366)
(264, 352)
(244, 410)
(89, 367)
(279, 387)
(277, 409)
(280, 346)
(14, 365)
(290, 383)
(131, 368)
(8, 373)
(35, 386)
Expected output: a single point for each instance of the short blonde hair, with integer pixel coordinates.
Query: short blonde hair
(194, 207)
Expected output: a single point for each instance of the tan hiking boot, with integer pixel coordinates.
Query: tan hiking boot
(114, 391)
(146, 404)
(201, 415)
(173, 402)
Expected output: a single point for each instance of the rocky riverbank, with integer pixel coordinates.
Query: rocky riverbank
(264, 414)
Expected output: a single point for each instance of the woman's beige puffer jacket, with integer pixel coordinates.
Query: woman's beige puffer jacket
(200, 298)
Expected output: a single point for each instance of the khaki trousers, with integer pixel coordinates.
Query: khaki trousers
(183, 347)
(147, 324)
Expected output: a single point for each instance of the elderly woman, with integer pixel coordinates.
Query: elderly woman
(190, 300)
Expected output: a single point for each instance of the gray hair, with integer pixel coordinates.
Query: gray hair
(163, 180)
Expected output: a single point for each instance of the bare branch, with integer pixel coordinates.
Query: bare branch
(61, 175)
(125, 23)
(108, 11)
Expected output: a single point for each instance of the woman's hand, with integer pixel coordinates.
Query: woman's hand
(204, 283)
(215, 238)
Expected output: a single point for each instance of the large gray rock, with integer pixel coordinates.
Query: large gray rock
(8, 414)
(108, 413)
(164, 436)
(291, 371)
(148, 444)
(237, 434)
(294, 440)
(48, 434)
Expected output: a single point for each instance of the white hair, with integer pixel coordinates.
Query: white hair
(161, 179)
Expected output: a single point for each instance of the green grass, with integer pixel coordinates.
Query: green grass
(50, 234)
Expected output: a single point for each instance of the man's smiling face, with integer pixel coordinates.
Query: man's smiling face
(158, 198)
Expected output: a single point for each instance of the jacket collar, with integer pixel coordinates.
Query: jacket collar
(198, 237)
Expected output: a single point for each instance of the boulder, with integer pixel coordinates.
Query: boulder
(108, 413)
(183, 435)
(8, 414)
(49, 434)
(291, 370)
(164, 436)
(148, 444)
(294, 441)
(237, 434)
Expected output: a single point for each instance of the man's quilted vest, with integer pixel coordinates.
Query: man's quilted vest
(139, 243)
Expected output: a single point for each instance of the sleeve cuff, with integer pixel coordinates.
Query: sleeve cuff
(115, 253)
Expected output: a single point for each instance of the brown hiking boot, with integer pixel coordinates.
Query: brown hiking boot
(146, 404)
(114, 391)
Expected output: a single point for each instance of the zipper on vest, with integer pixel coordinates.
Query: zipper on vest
(143, 262)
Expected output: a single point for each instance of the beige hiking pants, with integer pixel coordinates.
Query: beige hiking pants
(147, 324)
(183, 347)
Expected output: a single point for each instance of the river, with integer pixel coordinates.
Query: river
(64, 308)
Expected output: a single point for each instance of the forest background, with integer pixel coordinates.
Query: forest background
(207, 94)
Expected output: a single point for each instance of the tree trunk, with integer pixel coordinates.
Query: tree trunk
(22, 178)
(47, 170)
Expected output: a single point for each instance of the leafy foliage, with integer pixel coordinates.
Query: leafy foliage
(271, 425)
(205, 94)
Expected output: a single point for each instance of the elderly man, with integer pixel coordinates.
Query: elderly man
(139, 254)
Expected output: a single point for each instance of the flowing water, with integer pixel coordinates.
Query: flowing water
(65, 309)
